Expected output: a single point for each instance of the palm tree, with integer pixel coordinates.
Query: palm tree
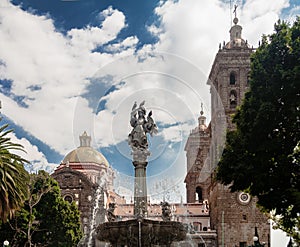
(13, 176)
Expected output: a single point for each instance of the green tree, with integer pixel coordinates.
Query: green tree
(59, 217)
(260, 156)
(46, 218)
(13, 176)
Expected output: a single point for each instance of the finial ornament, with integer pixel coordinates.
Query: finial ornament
(201, 112)
(235, 20)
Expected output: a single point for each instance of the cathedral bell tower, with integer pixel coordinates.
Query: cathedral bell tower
(234, 215)
(197, 148)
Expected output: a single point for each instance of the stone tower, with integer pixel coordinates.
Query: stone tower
(234, 216)
(196, 188)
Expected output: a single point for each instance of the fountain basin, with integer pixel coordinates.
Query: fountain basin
(141, 232)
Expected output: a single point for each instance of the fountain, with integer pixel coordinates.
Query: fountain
(141, 231)
(94, 215)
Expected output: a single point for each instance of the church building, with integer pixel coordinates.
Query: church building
(86, 178)
(234, 216)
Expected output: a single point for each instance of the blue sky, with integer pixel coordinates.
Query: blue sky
(71, 66)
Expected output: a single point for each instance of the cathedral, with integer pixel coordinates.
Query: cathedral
(214, 215)
(234, 216)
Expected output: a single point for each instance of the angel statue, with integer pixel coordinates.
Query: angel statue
(141, 125)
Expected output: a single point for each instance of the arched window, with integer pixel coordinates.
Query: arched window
(233, 99)
(232, 78)
(199, 194)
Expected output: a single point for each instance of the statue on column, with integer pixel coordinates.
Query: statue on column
(137, 138)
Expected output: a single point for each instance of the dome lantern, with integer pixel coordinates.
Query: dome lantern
(85, 140)
(85, 154)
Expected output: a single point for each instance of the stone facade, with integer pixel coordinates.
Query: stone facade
(85, 177)
(234, 216)
(75, 186)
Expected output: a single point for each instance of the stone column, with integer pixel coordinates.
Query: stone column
(140, 185)
(137, 139)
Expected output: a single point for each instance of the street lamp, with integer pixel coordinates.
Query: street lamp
(256, 242)
(5, 243)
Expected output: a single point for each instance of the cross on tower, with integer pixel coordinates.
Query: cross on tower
(234, 11)
(201, 112)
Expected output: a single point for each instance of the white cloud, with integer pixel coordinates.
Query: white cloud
(127, 43)
(193, 29)
(91, 37)
(34, 53)
(172, 87)
(258, 18)
(114, 20)
(170, 75)
(255, 9)
(176, 133)
(36, 158)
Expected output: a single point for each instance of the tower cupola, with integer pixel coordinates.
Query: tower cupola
(202, 119)
(235, 31)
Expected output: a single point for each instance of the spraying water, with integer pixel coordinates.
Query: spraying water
(95, 210)
(99, 202)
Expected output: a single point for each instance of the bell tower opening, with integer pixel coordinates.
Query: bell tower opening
(199, 196)
(233, 99)
(232, 78)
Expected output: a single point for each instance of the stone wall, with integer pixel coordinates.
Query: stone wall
(234, 216)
